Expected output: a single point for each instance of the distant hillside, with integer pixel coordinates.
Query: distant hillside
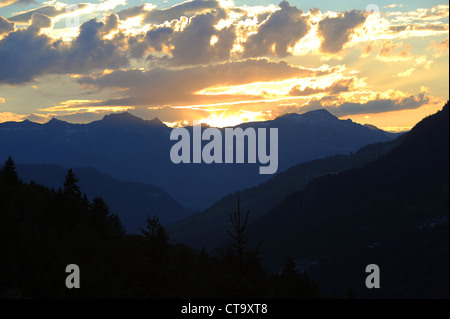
(131, 201)
(206, 229)
(392, 212)
(132, 149)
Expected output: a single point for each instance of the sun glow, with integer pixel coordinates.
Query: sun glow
(224, 120)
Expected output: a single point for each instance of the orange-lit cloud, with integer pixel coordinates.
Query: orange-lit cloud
(392, 52)
(419, 62)
(341, 85)
(9, 116)
(439, 49)
(84, 106)
(179, 87)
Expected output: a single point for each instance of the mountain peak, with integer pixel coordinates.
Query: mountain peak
(320, 112)
(121, 117)
(156, 121)
(55, 121)
(319, 115)
(126, 118)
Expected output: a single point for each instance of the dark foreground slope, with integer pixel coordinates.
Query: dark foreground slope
(205, 229)
(42, 231)
(392, 212)
(131, 201)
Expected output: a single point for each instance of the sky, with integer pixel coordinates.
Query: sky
(223, 62)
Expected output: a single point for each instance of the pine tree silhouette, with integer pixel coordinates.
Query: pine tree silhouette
(9, 171)
(117, 228)
(290, 268)
(239, 226)
(100, 215)
(245, 267)
(70, 187)
(156, 235)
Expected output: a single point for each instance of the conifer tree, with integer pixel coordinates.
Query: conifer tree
(290, 268)
(100, 215)
(117, 228)
(70, 187)
(9, 170)
(156, 235)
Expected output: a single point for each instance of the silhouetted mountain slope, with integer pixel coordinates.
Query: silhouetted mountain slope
(205, 229)
(131, 201)
(392, 212)
(45, 234)
(129, 148)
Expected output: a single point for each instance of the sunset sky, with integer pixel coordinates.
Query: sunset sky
(224, 62)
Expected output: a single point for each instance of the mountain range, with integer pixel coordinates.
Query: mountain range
(129, 148)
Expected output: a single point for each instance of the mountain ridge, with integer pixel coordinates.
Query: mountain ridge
(139, 151)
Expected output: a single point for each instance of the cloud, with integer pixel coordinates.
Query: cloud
(391, 52)
(40, 21)
(111, 23)
(419, 28)
(435, 13)
(194, 44)
(50, 11)
(157, 39)
(439, 49)
(420, 22)
(212, 35)
(5, 26)
(379, 103)
(153, 15)
(341, 85)
(337, 31)
(419, 62)
(2, 100)
(83, 106)
(25, 54)
(5, 3)
(394, 6)
(15, 117)
(10, 117)
(158, 87)
(278, 33)
(369, 48)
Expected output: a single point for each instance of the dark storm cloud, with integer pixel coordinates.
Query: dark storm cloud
(153, 40)
(281, 30)
(336, 32)
(377, 105)
(6, 26)
(192, 46)
(26, 54)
